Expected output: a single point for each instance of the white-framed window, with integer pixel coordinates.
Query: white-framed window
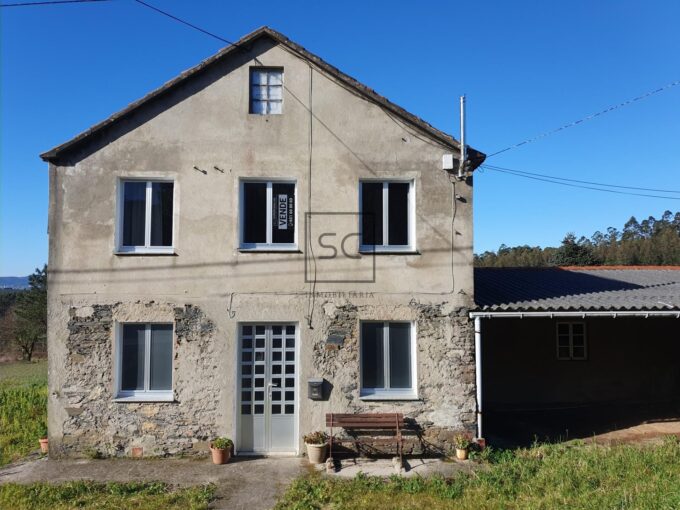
(266, 90)
(268, 215)
(387, 212)
(145, 216)
(388, 360)
(144, 361)
(571, 341)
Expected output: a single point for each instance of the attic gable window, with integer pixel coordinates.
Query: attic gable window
(145, 216)
(387, 216)
(266, 91)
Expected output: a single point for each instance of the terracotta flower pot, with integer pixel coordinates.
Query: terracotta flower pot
(461, 453)
(220, 456)
(44, 445)
(137, 452)
(316, 453)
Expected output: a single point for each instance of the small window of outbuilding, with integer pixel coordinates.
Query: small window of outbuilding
(571, 341)
(266, 91)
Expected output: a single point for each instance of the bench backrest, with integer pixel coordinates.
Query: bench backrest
(368, 421)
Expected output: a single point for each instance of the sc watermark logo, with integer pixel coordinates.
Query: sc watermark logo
(332, 249)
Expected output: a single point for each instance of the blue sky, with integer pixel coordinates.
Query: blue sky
(526, 67)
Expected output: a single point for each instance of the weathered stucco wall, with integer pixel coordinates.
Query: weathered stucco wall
(205, 124)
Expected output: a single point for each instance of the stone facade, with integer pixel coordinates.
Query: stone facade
(95, 424)
(445, 369)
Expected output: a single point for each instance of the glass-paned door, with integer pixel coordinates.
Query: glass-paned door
(267, 388)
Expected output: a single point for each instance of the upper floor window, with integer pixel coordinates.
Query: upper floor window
(571, 341)
(145, 217)
(144, 361)
(387, 215)
(266, 91)
(268, 215)
(387, 360)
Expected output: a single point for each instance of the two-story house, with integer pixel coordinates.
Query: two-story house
(260, 221)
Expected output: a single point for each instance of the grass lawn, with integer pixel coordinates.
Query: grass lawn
(104, 496)
(23, 408)
(566, 476)
(19, 372)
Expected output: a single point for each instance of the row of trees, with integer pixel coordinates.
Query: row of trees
(649, 242)
(23, 316)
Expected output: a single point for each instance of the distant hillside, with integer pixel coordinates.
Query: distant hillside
(13, 282)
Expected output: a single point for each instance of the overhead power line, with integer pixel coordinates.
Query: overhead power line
(54, 2)
(164, 13)
(494, 167)
(588, 117)
(552, 181)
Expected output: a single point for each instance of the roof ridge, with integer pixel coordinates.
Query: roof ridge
(476, 157)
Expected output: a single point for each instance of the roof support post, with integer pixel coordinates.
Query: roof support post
(478, 373)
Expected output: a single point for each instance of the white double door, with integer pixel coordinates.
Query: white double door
(267, 388)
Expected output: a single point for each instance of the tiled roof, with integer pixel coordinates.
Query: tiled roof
(578, 289)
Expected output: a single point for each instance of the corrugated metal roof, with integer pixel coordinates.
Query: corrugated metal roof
(578, 289)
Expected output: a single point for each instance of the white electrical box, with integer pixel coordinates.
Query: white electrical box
(447, 162)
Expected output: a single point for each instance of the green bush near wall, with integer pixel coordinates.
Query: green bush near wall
(23, 409)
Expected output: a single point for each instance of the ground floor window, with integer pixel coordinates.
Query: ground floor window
(144, 368)
(571, 341)
(388, 360)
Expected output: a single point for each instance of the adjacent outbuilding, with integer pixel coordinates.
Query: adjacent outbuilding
(574, 351)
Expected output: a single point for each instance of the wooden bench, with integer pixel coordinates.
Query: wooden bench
(393, 422)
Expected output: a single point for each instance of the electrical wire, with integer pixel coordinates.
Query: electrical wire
(164, 13)
(308, 234)
(54, 2)
(492, 167)
(577, 185)
(588, 117)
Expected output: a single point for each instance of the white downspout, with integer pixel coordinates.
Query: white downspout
(478, 373)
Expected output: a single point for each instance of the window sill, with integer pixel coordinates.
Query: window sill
(162, 397)
(168, 252)
(367, 251)
(389, 396)
(269, 250)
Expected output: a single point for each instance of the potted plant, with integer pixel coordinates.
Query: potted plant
(316, 446)
(220, 449)
(44, 447)
(462, 444)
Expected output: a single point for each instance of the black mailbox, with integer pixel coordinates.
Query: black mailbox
(315, 389)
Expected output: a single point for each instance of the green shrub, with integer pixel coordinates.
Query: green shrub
(222, 443)
(23, 418)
